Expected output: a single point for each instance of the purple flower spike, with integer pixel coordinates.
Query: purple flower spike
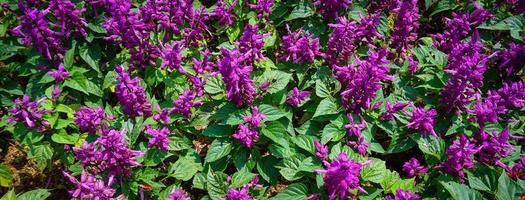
(247, 133)
(27, 111)
(340, 176)
(512, 58)
(321, 151)
(131, 95)
(406, 25)
(263, 8)
(178, 194)
(414, 168)
(360, 145)
(238, 194)
(89, 187)
(512, 95)
(403, 195)
(487, 111)
(34, 30)
(185, 102)
(250, 43)
(390, 109)
(299, 47)
(354, 128)
(159, 137)
(255, 118)
(331, 9)
(459, 157)
(225, 15)
(361, 81)
(239, 86)
(297, 97)
(423, 120)
(90, 119)
(69, 18)
(493, 146)
(518, 170)
(171, 56)
(60, 74)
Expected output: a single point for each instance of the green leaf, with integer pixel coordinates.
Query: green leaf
(76, 85)
(392, 182)
(38, 194)
(185, 167)
(295, 191)
(305, 142)
(301, 10)
(276, 131)
(69, 57)
(374, 172)
(267, 170)
(507, 188)
(484, 179)
(109, 79)
(218, 149)
(241, 178)
(217, 184)
(460, 191)
(178, 143)
(333, 131)
(94, 89)
(327, 106)
(433, 148)
(294, 167)
(11, 195)
(6, 177)
(214, 85)
(63, 138)
(217, 131)
(199, 181)
(270, 112)
(278, 80)
(91, 54)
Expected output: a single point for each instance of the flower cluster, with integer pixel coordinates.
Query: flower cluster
(236, 75)
(262, 7)
(414, 168)
(90, 119)
(321, 151)
(423, 120)
(27, 112)
(250, 43)
(59, 75)
(403, 195)
(459, 155)
(332, 8)
(341, 175)
(69, 18)
(131, 95)
(297, 97)
(159, 137)
(390, 109)
(406, 26)
(512, 58)
(299, 47)
(247, 133)
(178, 194)
(493, 146)
(361, 81)
(90, 187)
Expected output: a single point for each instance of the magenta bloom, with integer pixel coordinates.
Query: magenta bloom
(263, 8)
(172, 58)
(493, 146)
(185, 102)
(459, 157)
(361, 80)
(360, 145)
(69, 18)
(250, 43)
(131, 95)
(512, 95)
(247, 133)
(341, 175)
(90, 119)
(299, 47)
(406, 25)
(332, 8)
(236, 75)
(89, 187)
(403, 195)
(297, 97)
(178, 194)
(390, 109)
(354, 128)
(487, 111)
(34, 31)
(27, 112)
(59, 75)
(518, 170)
(224, 15)
(414, 168)
(109, 153)
(321, 151)
(238, 194)
(159, 137)
(423, 120)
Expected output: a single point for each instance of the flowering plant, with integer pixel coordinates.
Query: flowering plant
(263, 99)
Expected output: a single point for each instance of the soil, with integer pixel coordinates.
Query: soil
(27, 176)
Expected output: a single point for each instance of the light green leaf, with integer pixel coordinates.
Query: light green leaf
(327, 106)
(295, 191)
(218, 149)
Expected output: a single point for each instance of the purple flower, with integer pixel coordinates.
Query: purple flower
(423, 120)
(332, 8)
(239, 86)
(487, 111)
(348, 35)
(459, 157)
(90, 119)
(172, 58)
(406, 26)
(512, 95)
(264, 86)
(512, 58)
(390, 109)
(196, 19)
(163, 115)
(412, 65)
(185, 102)
(109, 153)
(321, 151)
(178, 194)
(89, 187)
(263, 8)
(341, 175)
(34, 30)
(518, 170)
(69, 18)
(299, 47)
(414, 168)
(250, 43)
(466, 65)
(27, 111)
(131, 95)
(238, 194)
(246, 135)
(225, 15)
(354, 128)
(361, 80)
(297, 97)
(159, 137)
(493, 146)
(255, 118)
(403, 195)
(59, 76)
(360, 145)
